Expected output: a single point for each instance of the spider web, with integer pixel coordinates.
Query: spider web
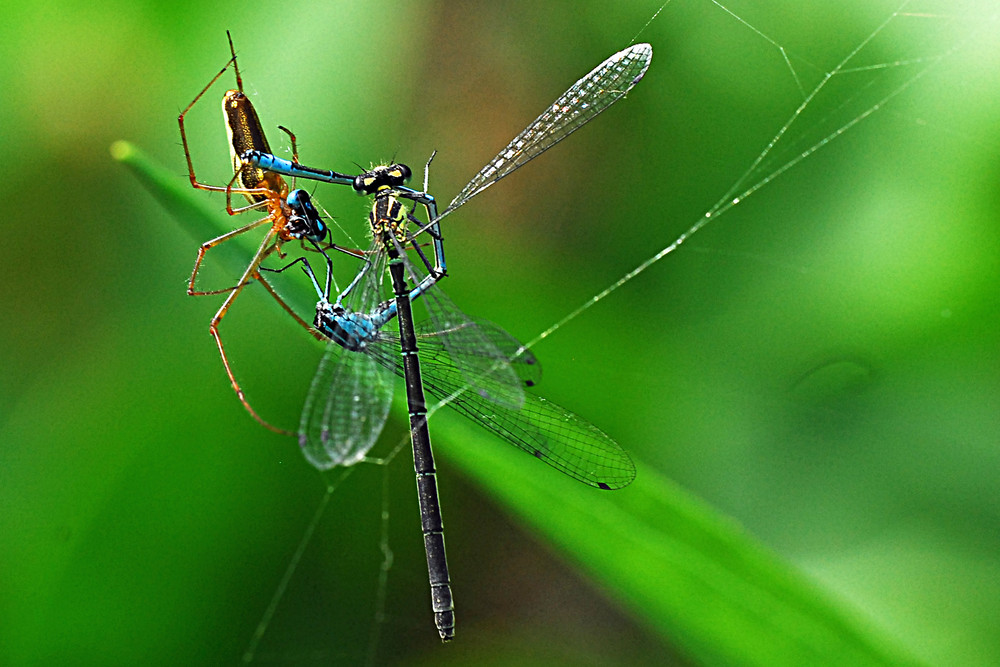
(831, 100)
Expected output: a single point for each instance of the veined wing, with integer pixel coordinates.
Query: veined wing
(350, 395)
(472, 345)
(346, 408)
(603, 86)
(539, 427)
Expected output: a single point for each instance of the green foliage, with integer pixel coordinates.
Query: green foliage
(685, 570)
(818, 364)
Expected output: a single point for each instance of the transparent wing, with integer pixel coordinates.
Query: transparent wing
(523, 362)
(346, 408)
(539, 427)
(603, 86)
(350, 396)
(484, 366)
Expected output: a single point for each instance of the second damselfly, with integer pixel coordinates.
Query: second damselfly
(475, 367)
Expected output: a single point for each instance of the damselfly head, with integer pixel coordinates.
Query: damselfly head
(382, 177)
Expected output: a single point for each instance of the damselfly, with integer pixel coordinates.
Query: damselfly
(476, 367)
(467, 364)
(582, 102)
(291, 215)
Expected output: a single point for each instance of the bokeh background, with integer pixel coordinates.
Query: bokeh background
(820, 363)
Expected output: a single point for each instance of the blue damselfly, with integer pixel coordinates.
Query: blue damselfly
(477, 368)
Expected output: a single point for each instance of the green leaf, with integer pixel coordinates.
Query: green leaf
(189, 208)
(685, 570)
(689, 572)
(191, 211)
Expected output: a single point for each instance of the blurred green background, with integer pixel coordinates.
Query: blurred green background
(820, 364)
